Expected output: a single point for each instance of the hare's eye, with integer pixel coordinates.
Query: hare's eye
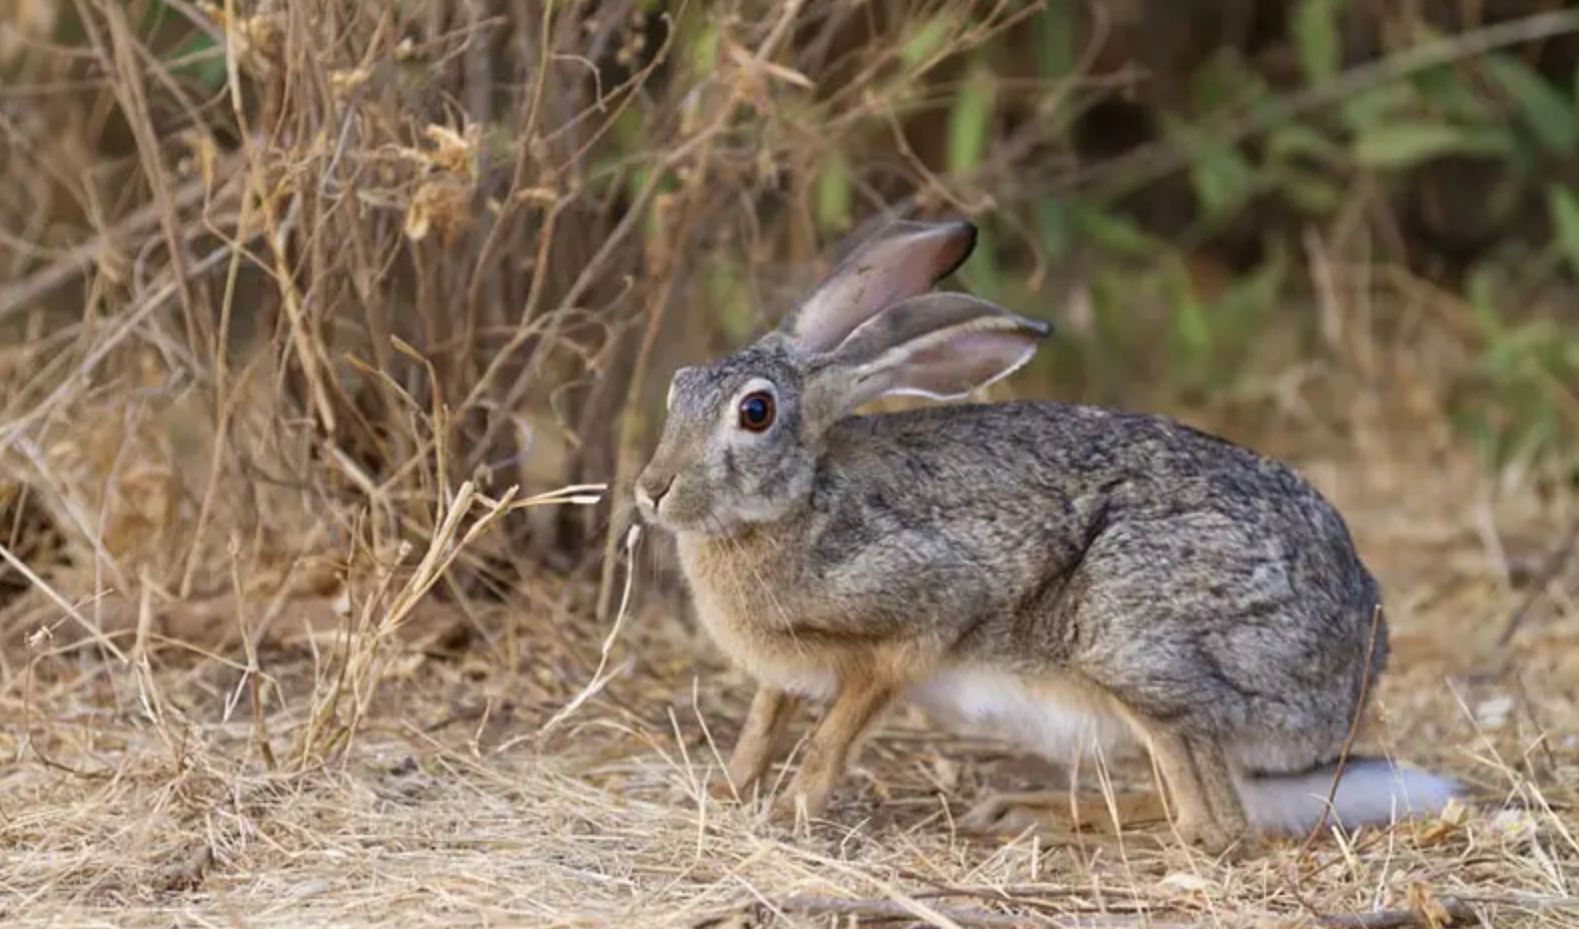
(756, 411)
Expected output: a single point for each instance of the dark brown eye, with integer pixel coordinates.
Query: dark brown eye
(756, 411)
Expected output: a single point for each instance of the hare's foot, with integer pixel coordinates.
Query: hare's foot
(1055, 814)
(1216, 839)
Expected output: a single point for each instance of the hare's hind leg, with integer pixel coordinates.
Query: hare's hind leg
(770, 710)
(1070, 721)
(1054, 814)
(1207, 810)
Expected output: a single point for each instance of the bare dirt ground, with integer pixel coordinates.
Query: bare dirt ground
(137, 794)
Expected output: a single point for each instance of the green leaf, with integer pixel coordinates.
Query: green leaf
(1221, 176)
(730, 300)
(199, 56)
(1055, 226)
(1405, 144)
(1315, 32)
(1379, 104)
(1481, 294)
(1225, 80)
(1253, 294)
(627, 130)
(702, 52)
(1548, 115)
(1115, 233)
(1222, 179)
(924, 42)
(1055, 39)
(970, 120)
(1451, 97)
(1517, 352)
(1564, 208)
(1297, 140)
(1193, 337)
(835, 194)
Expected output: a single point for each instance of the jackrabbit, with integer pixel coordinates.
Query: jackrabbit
(1058, 573)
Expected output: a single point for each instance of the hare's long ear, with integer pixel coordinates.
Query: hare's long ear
(900, 260)
(941, 345)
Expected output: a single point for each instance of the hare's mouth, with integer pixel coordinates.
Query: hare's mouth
(672, 519)
(661, 507)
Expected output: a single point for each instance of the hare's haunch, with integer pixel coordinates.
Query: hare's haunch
(1069, 576)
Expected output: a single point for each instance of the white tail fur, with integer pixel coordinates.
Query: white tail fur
(1372, 791)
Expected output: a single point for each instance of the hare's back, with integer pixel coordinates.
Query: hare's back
(1067, 451)
(1138, 504)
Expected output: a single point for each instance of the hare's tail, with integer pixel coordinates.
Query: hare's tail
(1372, 791)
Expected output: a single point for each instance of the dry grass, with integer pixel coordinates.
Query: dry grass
(294, 372)
(144, 799)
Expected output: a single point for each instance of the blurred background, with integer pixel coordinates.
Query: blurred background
(263, 313)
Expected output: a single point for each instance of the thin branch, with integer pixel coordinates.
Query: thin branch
(1354, 728)
(1543, 579)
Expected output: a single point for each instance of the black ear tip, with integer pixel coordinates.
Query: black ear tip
(968, 231)
(961, 235)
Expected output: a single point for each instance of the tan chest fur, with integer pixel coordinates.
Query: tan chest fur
(749, 603)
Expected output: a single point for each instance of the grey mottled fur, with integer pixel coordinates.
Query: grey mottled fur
(1210, 590)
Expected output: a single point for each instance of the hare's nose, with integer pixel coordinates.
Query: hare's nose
(650, 491)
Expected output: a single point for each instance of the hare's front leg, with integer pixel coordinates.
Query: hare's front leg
(859, 701)
(765, 720)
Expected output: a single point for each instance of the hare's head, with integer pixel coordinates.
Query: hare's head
(742, 435)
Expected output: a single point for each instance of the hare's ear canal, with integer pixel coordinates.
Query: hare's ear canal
(901, 260)
(940, 345)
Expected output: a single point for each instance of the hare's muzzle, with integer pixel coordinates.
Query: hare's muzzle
(650, 490)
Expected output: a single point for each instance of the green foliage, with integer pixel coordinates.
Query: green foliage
(1565, 218)
(197, 56)
(1245, 145)
(926, 39)
(970, 120)
(1055, 39)
(1529, 366)
(983, 274)
(1114, 232)
(1316, 38)
(1379, 139)
(702, 46)
(1552, 118)
(1224, 180)
(1406, 144)
(835, 193)
(200, 57)
(1054, 226)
